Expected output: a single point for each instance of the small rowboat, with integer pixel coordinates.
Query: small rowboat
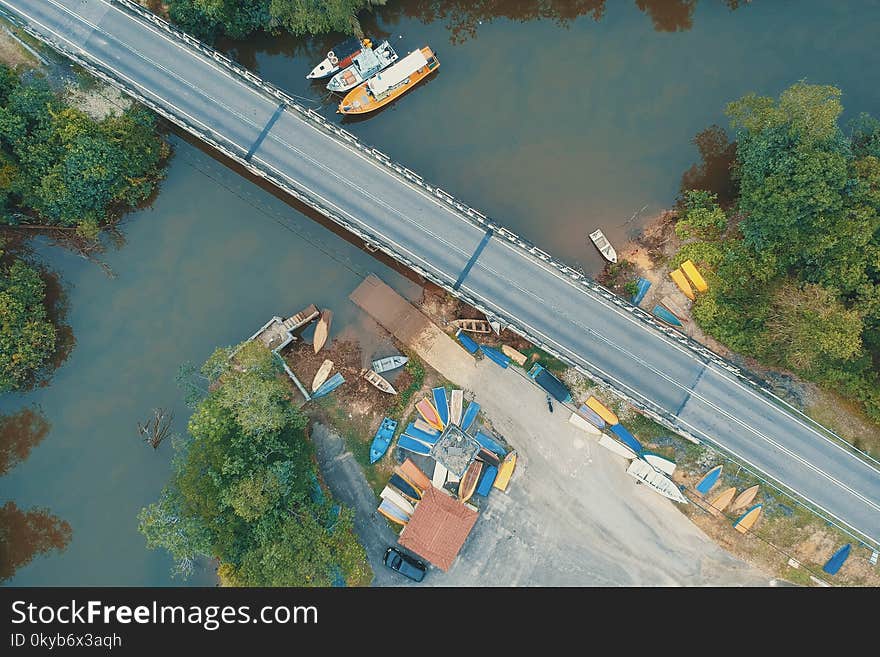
(421, 425)
(836, 561)
(660, 463)
(411, 472)
(488, 443)
(322, 330)
(489, 457)
(517, 357)
(486, 481)
(329, 386)
(678, 276)
(470, 414)
(718, 503)
(616, 447)
(505, 472)
(455, 403)
(468, 483)
(429, 413)
(663, 313)
(744, 498)
(382, 439)
(601, 242)
(322, 374)
(709, 479)
(379, 382)
(393, 512)
(690, 269)
(394, 496)
(411, 445)
(440, 475)
(472, 325)
(406, 489)
(441, 403)
(747, 520)
(389, 363)
(602, 411)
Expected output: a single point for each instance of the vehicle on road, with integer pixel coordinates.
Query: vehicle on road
(404, 564)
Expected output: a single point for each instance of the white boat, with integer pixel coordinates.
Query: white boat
(616, 447)
(364, 66)
(322, 374)
(455, 403)
(379, 382)
(389, 363)
(440, 474)
(340, 57)
(660, 462)
(657, 481)
(604, 246)
(394, 496)
(583, 425)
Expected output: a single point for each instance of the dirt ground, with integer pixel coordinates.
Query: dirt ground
(12, 53)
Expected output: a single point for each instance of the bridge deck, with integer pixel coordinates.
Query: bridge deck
(572, 320)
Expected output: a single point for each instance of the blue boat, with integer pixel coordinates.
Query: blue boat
(441, 403)
(836, 561)
(382, 439)
(411, 445)
(496, 356)
(627, 438)
(710, 479)
(643, 285)
(661, 313)
(591, 415)
(329, 385)
(467, 341)
(470, 414)
(490, 444)
(405, 487)
(429, 437)
(486, 480)
(550, 383)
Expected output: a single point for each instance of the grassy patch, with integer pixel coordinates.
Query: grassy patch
(550, 362)
(416, 369)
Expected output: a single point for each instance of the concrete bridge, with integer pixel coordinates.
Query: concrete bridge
(672, 378)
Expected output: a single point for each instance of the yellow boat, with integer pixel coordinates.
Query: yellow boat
(718, 503)
(505, 471)
(697, 279)
(322, 330)
(744, 498)
(602, 411)
(748, 519)
(683, 285)
(391, 83)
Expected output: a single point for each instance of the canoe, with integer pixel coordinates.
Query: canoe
(488, 443)
(601, 410)
(583, 425)
(505, 471)
(472, 325)
(495, 356)
(616, 447)
(664, 315)
(340, 57)
(382, 439)
(468, 483)
(406, 488)
(697, 279)
(709, 479)
(486, 480)
(424, 438)
(411, 445)
(467, 342)
(489, 457)
(656, 481)
(391, 83)
(747, 520)
(441, 403)
(440, 474)
(470, 414)
(718, 503)
(670, 304)
(662, 463)
(411, 472)
(745, 498)
(589, 414)
(677, 275)
(322, 374)
(397, 499)
(379, 382)
(642, 285)
(601, 242)
(329, 385)
(455, 403)
(516, 356)
(322, 330)
(393, 512)
(429, 413)
(389, 363)
(627, 438)
(421, 425)
(836, 561)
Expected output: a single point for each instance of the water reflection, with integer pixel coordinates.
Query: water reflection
(26, 534)
(713, 173)
(19, 433)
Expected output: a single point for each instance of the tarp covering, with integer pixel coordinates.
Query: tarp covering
(643, 285)
(627, 438)
(550, 383)
(438, 528)
(467, 341)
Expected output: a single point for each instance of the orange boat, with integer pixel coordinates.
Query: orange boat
(429, 413)
(391, 83)
(748, 519)
(469, 482)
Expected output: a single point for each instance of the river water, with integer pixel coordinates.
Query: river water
(551, 128)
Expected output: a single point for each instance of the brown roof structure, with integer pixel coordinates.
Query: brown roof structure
(438, 528)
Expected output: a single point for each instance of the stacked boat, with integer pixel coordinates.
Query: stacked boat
(367, 63)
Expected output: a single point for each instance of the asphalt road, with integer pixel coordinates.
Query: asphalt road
(602, 337)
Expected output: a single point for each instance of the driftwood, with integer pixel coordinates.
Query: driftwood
(157, 428)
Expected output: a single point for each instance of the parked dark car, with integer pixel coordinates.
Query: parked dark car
(404, 564)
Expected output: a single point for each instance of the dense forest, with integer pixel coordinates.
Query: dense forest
(64, 170)
(245, 489)
(794, 259)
